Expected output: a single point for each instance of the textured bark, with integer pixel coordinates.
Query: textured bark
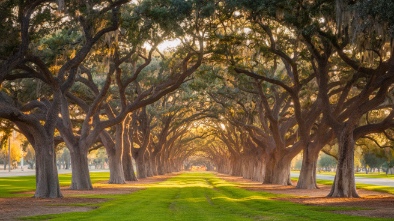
(307, 178)
(116, 169)
(344, 183)
(160, 165)
(47, 182)
(114, 150)
(80, 171)
(127, 158)
(259, 172)
(236, 169)
(153, 166)
(128, 167)
(277, 171)
(141, 167)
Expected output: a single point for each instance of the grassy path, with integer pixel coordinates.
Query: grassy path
(201, 196)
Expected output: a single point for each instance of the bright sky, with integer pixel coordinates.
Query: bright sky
(165, 45)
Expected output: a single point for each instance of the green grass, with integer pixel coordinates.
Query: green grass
(202, 196)
(14, 186)
(377, 188)
(382, 189)
(369, 175)
(375, 175)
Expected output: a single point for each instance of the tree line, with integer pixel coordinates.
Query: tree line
(250, 85)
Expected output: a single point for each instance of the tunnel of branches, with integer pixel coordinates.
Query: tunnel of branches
(236, 86)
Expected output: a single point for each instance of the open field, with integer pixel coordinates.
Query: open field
(188, 196)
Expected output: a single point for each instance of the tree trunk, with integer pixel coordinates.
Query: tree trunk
(141, 166)
(115, 152)
(115, 167)
(307, 178)
(127, 158)
(236, 166)
(277, 171)
(47, 181)
(153, 165)
(80, 171)
(160, 165)
(344, 183)
(259, 172)
(149, 164)
(127, 162)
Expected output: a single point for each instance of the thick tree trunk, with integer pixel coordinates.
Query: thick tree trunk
(141, 167)
(47, 181)
(149, 164)
(116, 169)
(344, 183)
(160, 165)
(277, 171)
(259, 171)
(236, 166)
(127, 158)
(128, 167)
(80, 171)
(153, 165)
(127, 162)
(247, 168)
(307, 178)
(115, 152)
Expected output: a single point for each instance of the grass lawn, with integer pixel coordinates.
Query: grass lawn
(383, 189)
(201, 196)
(11, 186)
(369, 175)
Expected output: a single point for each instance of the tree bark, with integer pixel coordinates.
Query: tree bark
(344, 183)
(277, 171)
(80, 171)
(114, 151)
(128, 167)
(47, 181)
(116, 168)
(236, 166)
(141, 166)
(307, 178)
(160, 165)
(127, 158)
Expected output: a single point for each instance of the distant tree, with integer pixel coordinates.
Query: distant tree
(327, 162)
(371, 160)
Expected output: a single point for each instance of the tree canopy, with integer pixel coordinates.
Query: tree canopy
(246, 86)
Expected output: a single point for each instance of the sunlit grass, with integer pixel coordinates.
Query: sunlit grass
(202, 196)
(363, 174)
(14, 186)
(377, 188)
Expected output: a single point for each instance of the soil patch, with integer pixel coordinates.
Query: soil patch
(370, 203)
(13, 208)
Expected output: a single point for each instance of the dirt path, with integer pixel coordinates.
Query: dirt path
(374, 204)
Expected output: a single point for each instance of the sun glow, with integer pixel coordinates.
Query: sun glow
(165, 45)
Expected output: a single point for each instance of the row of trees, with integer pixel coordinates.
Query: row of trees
(251, 85)
(74, 72)
(301, 78)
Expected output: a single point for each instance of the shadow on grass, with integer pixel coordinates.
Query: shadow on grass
(202, 196)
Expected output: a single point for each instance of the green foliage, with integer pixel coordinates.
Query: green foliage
(167, 15)
(327, 162)
(371, 160)
(377, 10)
